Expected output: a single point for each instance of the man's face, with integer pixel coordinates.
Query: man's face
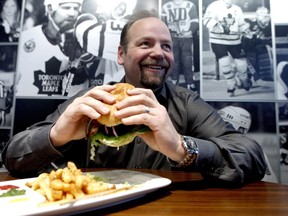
(263, 17)
(149, 57)
(65, 16)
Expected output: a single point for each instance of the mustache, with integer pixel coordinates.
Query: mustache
(161, 63)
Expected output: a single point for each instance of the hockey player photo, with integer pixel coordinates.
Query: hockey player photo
(257, 45)
(226, 25)
(181, 17)
(49, 59)
(281, 33)
(70, 50)
(8, 55)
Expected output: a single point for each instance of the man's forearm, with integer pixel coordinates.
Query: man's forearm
(29, 151)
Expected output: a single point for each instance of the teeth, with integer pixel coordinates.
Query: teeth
(155, 67)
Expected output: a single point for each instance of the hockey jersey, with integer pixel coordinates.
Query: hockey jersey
(259, 35)
(42, 66)
(179, 17)
(101, 40)
(230, 19)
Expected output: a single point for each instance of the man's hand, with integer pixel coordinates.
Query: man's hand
(72, 124)
(218, 28)
(6, 26)
(142, 107)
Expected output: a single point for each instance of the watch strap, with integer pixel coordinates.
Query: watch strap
(190, 146)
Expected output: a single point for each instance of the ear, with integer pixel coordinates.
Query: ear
(120, 57)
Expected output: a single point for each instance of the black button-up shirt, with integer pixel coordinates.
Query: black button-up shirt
(224, 153)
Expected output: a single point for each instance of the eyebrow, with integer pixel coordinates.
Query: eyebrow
(151, 37)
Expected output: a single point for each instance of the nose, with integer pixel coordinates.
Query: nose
(72, 11)
(157, 52)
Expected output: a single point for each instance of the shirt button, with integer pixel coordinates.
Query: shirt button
(138, 140)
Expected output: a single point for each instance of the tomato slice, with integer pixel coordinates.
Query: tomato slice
(7, 187)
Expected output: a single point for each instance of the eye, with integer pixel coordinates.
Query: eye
(145, 44)
(167, 47)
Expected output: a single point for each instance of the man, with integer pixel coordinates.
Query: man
(225, 23)
(50, 61)
(258, 45)
(186, 133)
(182, 20)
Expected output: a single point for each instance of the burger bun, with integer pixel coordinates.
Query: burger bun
(120, 93)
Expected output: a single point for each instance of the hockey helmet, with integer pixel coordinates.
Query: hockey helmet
(237, 116)
(116, 9)
(54, 4)
(263, 16)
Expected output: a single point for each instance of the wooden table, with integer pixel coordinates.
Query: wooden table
(189, 195)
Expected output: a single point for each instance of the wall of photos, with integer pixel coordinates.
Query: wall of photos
(35, 76)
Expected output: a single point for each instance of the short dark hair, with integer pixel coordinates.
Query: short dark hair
(131, 20)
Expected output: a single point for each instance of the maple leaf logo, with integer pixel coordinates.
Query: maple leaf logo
(49, 83)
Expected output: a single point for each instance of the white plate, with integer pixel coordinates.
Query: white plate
(28, 204)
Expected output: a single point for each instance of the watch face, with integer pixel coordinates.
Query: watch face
(191, 146)
(191, 149)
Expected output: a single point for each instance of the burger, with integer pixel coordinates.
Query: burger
(109, 130)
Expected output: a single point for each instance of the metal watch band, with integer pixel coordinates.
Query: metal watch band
(191, 149)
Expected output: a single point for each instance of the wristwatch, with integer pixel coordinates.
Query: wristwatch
(191, 149)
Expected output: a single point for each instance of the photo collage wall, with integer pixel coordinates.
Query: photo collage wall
(246, 83)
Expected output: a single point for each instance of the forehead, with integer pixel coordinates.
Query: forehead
(69, 5)
(9, 2)
(149, 27)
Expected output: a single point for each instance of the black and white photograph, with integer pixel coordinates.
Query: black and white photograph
(281, 43)
(8, 55)
(4, 137)
(283, 140)
(182, 19)
(10, 20)
(237, 50)
(57, 56)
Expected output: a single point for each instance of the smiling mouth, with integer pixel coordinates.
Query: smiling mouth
(155, 67)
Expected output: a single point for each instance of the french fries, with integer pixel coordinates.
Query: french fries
(67, 184)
